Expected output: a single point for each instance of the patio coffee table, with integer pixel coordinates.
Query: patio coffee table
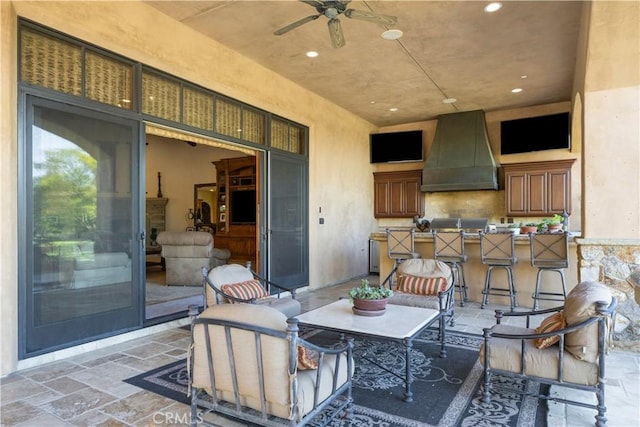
(399, 323)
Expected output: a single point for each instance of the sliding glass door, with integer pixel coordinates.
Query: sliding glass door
(288, 252)
(80, 241)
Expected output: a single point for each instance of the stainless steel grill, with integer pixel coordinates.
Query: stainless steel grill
(466, 224)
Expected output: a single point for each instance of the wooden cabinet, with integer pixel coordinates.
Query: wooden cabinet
(538, 188)
(236, 231)
(397, 194)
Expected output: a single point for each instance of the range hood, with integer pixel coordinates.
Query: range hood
(460, 157)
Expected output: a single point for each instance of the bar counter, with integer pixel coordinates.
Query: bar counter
(475, 272)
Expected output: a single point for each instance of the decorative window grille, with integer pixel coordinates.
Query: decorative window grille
(109, 81)
(70, 66)
(160, 97)
(197, 108)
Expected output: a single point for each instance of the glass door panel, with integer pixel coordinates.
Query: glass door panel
(82, 254)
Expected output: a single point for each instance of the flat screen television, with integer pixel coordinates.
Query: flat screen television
(396, 147)
(535, 134)
(243, 207)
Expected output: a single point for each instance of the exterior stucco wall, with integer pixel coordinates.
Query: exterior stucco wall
(611, 102)
(8, 192)
(339, 169)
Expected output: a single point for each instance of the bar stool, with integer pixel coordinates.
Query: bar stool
(549, 252)
(498, 251)
(448, 246)
(400, 246)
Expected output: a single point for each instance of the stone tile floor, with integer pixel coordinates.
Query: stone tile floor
(87, 389)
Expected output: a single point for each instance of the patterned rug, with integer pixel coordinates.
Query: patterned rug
(446, 391)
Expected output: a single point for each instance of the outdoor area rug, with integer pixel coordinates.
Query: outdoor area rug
(446, 392)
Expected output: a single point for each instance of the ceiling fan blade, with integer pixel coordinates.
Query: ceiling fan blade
(335, 32)
(296, 24)
(313, 3)
(364, 15)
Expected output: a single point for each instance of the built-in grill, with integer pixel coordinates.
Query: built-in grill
(466, 224)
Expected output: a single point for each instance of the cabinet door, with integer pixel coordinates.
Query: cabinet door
(559, 193)
(381, 205)
(396, 195)
(516, 193)
(413, 197)
(537, 189)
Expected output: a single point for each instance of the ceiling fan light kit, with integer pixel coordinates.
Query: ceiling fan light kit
(392, 34)
(331, 9)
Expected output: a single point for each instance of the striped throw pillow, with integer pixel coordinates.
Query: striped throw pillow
(555, 322)
(245, 290)
(421, 285)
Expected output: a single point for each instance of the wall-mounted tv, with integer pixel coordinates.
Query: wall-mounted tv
(396, 147)
(535, 134)
(243, 207)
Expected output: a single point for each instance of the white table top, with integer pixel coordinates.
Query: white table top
(398, 322)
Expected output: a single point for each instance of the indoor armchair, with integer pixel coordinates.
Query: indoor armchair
(186, 252)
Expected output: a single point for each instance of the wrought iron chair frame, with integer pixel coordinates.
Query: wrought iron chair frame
(453, 253)
(497, 250)
(549, 252)
(604, 312)
(266, 284)
(400, 245)
(341, 396)
(445, 307)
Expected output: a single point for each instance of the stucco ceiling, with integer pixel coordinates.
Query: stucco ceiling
(450, 49)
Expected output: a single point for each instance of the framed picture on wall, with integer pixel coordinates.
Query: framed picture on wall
(223, 216)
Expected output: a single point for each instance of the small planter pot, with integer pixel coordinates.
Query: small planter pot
(370, 307)
(554, 228)
(525, 229)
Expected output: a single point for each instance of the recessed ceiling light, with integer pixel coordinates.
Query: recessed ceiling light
(449, 100)
(493, 7)
(372, 102)
(516, 90)
(393, 109)
(392, 34)
(523, 76)
(312, 54)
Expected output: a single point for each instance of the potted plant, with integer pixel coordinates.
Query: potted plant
(530, 227)
(369, 300)
(514, 227)
(553, 224)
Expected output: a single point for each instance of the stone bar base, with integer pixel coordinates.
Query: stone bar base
(616, 263)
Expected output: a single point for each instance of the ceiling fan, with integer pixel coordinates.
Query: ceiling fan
(331, 9)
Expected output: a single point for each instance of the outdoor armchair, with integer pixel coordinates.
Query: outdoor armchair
(248, 361)
(234, 283)
(567, 349)
(425, 283)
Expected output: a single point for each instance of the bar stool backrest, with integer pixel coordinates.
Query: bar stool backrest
(497, 248)
(401, 243)
(449, 246)
(549, 250)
